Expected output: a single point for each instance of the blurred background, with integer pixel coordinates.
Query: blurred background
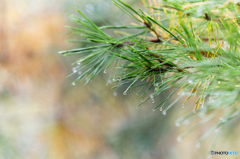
(42, 116)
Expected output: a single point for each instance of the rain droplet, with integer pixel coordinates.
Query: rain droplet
(202, 115)
(221, 118)
(115, 93)
(153, 101)
(164, 113)
(198, 145)
(177, 124)
(79, 63)
(110, 82)
(179, 139)
(209, 157)
(89, 8)
(151, 96)
(186, 122)
(153, 110)
(157, 84)
(104, 71)
(183, 106)
(160, 109)
(103, 8)
(194, 111)
(73, 83)
(74, 70)
(114, 80)
(216, 130)
(190, 81)
(79, 72)
(199, 11)
(219, 82)
(125, 93)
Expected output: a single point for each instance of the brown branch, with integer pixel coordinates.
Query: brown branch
(154, 31)
(166, 64)
(207, 16)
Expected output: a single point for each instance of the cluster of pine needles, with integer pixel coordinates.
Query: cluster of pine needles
(192, 47)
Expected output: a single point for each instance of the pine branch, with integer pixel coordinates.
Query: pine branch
(195, 52)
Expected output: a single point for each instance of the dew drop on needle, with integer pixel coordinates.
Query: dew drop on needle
(186, 122)
(177, 124)
(179, 139)
(190, 81)
(198, 145)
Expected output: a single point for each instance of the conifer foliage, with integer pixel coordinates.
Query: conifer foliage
(190, 46)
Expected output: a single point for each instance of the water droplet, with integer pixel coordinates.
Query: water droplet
(177, 124)
(183, 106)
(114, 80)
(164, 113)
(110, 82)
(115, 93)
(157, 84)
(79, 63)
(202, 115)
(160, 109)
(73, 83)
(198, 145)
(74, 70)
(221, 118)
(194, 111)
(104, 71)
(153, 101)
(219, 82)
(103, 8)
(151, 96)
(179, 139)
(79, 72)
(125, 93)
(190, 81)
(199, 11)
(209, 157)
(89, 8)
(153, 110)
(186, 122)
(211, 100)
(216, 130)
